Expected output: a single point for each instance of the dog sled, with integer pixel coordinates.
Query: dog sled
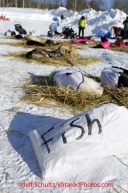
(20, 29)
(88, 39)
(119, 43)
(67, 33)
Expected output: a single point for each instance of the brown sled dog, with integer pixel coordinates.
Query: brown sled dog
(67, 50)
(38, 53)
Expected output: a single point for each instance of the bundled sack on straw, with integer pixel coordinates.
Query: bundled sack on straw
(75, 80)
(97, 133)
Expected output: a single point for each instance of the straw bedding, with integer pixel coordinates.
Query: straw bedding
(42, 93)
(55, 60)
(46, 95)
(22, 43)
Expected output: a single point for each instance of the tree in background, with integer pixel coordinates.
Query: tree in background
(116, 4)
(125, 6)
(44, 4)
(75, 5)
(94, 5)
(121, 4)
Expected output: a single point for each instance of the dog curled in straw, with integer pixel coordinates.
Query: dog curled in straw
(67, 50)
(76, 81)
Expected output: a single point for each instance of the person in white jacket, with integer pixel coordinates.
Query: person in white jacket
(53, 28)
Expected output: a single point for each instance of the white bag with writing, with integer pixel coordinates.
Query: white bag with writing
(97, 133)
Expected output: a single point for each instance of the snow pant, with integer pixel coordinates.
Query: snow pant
(125, 34)
(115, 30)
(81, 29)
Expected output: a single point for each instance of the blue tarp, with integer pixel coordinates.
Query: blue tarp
(9, 30)
(102, 34)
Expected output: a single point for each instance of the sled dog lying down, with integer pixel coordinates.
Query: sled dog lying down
(89, 85)
(76, 81)
(67, 50)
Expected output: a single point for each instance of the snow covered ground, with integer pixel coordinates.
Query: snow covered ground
(18, 163)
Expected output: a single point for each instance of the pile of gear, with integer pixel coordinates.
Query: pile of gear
(67, 32)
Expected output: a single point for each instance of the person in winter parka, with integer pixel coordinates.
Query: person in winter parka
(125, 23)
(53, 28)
(82, 25)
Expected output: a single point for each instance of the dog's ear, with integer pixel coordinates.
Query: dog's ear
(70, 49)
